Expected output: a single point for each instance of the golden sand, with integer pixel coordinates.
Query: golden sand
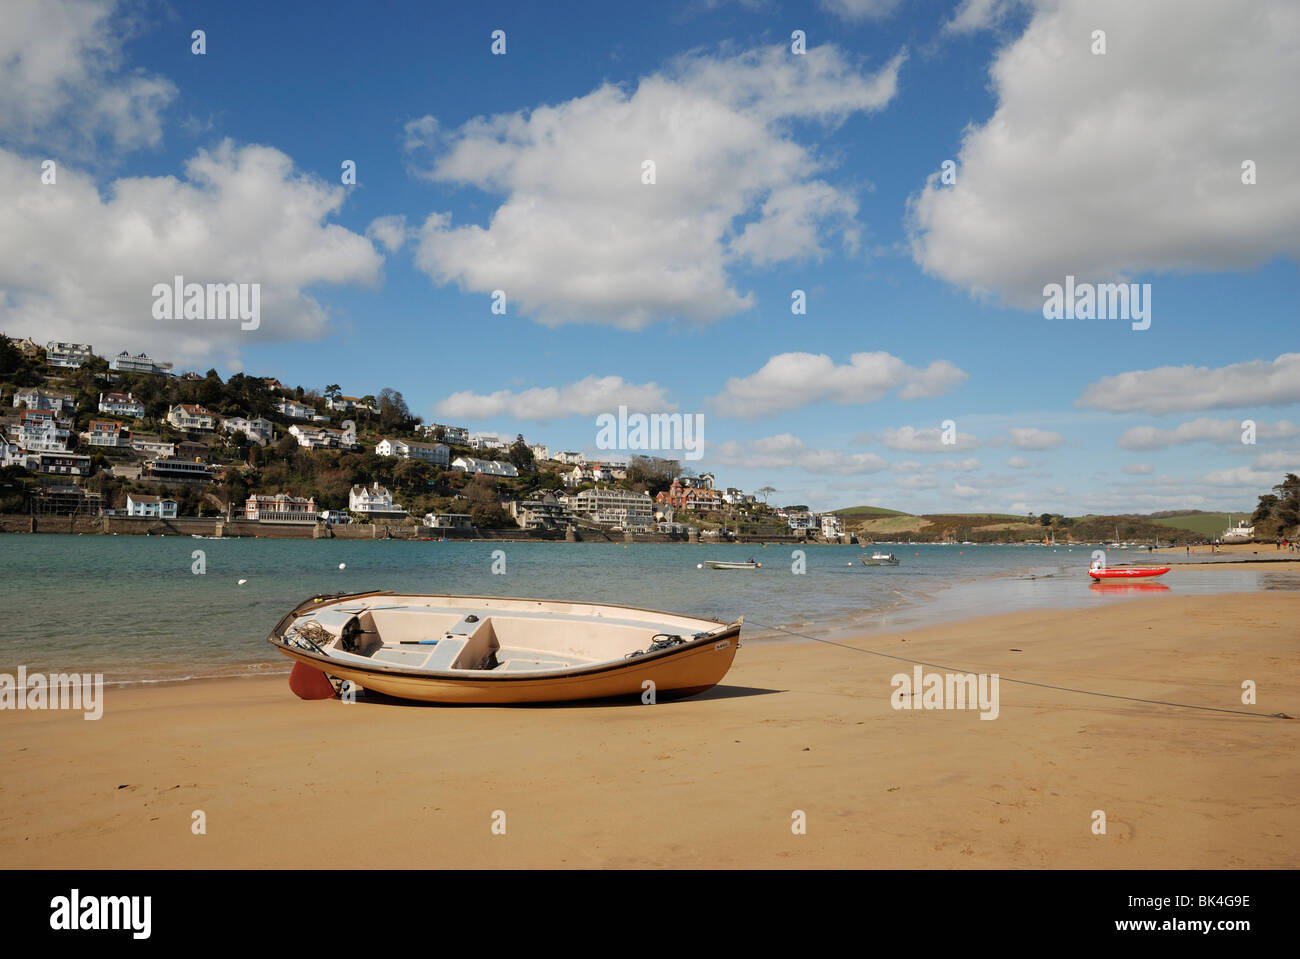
(713, 780)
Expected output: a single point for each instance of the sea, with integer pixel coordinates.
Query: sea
(145, 609)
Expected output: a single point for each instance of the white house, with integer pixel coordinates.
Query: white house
(281, 508)
(60, 462)
(456, 435)
(540, 452)
(293, 409)
(138, 504)
(832, 526)
(108, 433)
(120, 404)
(348, 404)
(616, 507)
(70, 356)
(189, 416)
(324, 437)
(257, 429)
(153, 446)
(374, 500)
(435, 453)
(448, 521)
(38, 399)
(469, 464)
(569, 458)
(140, 363)
(1240, 531)
(41, 431)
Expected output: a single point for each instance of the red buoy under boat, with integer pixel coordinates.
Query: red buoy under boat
(308, 683)
(1128, 572)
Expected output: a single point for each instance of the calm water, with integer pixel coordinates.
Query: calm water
(130, 607)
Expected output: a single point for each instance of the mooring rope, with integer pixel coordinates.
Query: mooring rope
(1024, 682)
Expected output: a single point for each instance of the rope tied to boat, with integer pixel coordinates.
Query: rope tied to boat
(657, 642)
(1027, 682)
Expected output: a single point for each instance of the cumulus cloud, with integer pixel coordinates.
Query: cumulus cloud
(587, 397)
(1032, 438)
(579, 237)
(792, 380)
(973, 15)
(1179, 389)
(1103, 167)
(1018, 463)
(62, 82)
(1202, 430)
(1138, 469)
(787, 449)
(72, 258)
(388, 230)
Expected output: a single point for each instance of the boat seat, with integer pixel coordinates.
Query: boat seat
(440, 656)
(529, 665)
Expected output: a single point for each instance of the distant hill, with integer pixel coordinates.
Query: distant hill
(1207, 524)
(864, 512)
(877, 522)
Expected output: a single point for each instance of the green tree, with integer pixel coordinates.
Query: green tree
(519, 454)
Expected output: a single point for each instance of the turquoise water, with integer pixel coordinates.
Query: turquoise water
(130, 607)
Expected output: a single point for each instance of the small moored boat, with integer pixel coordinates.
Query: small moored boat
(880, 559)
(471, 649)
(1126, 572)
(723, 564)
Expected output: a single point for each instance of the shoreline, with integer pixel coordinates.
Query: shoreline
(712, 780)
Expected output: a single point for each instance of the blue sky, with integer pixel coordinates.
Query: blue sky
(774, 171)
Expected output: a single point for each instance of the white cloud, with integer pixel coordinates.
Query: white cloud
(973, 15)
(1176, 389)
(1202, 430)
(1285, 461)
(788, 450)
(792, 380)
(1138, 469)
(909, 439)
(1032, 438)
(1102, 167)
(587, 397)
(855, 10)
(389, 230)
(1243, 477)
(579, 237)
(73, 261)
(1018, 463)
(61, 79)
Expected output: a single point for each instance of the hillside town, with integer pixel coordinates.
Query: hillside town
(128, 436)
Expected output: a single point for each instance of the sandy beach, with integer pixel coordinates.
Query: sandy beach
(713, 780)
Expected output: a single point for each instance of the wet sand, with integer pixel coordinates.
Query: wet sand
(714, 780)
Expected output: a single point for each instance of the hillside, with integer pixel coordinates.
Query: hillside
(879, 523)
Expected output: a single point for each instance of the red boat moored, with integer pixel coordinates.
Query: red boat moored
(1128, 572)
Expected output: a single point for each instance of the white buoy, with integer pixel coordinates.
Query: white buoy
(343, 565)
(699, 566)
(242, 582)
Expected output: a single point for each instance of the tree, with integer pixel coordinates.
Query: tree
(333, 391)
(765, 492)
(519, 454)
(1045, 519)
(1279, 511)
